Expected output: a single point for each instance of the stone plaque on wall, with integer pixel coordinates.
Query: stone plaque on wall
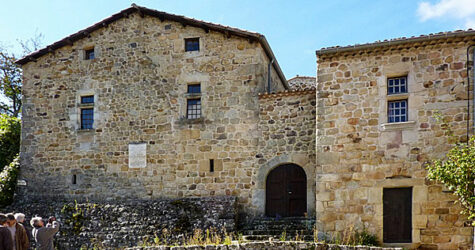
(138, 155)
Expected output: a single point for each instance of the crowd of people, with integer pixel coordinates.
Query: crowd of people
(15, 236)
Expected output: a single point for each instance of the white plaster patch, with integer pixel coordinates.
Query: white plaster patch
(138, 155)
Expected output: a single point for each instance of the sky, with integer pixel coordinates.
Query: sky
(295, 29)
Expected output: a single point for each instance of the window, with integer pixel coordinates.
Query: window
(397, 215)
(194, 88)
(87, 118)
(193, 103)
(397, 111)
(211, 165)
(74, 180)
(87, 99)
(398, 103)
(192, 44)
(89, 54)
(193, 108)
(87, 112)
(397, 85)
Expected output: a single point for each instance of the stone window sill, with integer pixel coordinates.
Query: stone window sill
(397, 126)
(396, 97)
(85, 130)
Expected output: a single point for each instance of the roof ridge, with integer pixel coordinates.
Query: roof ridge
(252, 36)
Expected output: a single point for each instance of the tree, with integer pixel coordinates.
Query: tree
(10, 85)
(10, 131)
(11, 78)
(456, 171)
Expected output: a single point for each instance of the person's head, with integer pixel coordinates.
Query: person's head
(37, 222)
(20, 217)
(11, 221)
(3, 219)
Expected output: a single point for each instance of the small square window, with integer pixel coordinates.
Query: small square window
(89, 54)
(194, 89)
(397, 85)
(87, 118)
(193, 108)
(192, 44)
(87, 99)
(397, 111)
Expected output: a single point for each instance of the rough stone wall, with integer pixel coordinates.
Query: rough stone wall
(127, 224)
(287, 135)
(269, 245)
(359, 154)
(139, 81)
(302, 82)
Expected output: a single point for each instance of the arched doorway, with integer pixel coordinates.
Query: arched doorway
(286, 192)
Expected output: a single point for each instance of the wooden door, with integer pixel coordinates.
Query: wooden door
(286, 192)
(397, 215)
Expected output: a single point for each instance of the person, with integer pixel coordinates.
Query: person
(6, 242)
(20, 218)
(44, 235)
(18, 232)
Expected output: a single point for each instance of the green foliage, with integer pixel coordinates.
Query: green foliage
(74, 217)
(10, 130)
(364, 238)
(8, 181)
(353, 237)
(10, 85)
(455, 171)
(283, 236)
(457, 174)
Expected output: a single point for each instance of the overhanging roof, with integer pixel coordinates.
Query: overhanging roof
(207, 26)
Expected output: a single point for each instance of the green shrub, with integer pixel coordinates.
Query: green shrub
(10, 131)
(8, 181)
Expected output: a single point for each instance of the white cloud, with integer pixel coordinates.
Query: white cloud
(463, 10)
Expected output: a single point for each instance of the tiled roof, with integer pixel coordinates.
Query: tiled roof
(397, 41)
(207, 26)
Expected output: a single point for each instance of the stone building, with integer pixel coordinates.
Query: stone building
(147, 105)
(376, 131)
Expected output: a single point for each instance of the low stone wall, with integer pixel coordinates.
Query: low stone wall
(130, 223)
(268, 245)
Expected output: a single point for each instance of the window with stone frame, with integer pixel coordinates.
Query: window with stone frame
(398, 108)
(193, 101)
(192, 44)
(87, 112)
(89, 54)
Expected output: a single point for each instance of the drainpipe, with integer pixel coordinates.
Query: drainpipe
(468, 91)
(269, 80)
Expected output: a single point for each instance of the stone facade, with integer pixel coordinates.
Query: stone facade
(359, 153)
(139, 80)
(86, 225)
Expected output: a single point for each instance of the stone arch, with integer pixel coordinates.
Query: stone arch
(302, 160)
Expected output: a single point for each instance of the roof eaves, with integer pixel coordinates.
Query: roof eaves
(396, 41)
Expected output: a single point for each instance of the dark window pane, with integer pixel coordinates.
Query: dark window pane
(192, 44)
(194, 88)
(87, 118)
(89, 54)
(193, 108)
(87, 99)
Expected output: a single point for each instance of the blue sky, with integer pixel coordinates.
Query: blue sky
(294, 29)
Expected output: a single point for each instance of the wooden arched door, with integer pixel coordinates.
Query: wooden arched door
(286, 192)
